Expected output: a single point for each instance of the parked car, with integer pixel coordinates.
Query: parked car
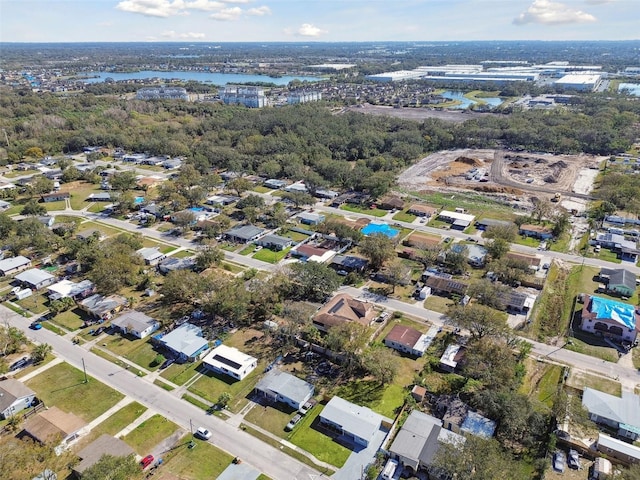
(146, 461)
(559, 461)
(307, 406)
(23, 362)
(98, 331)
(202, 433)
(293, 422)
(573, 460)
(35, 326)
(167, 362)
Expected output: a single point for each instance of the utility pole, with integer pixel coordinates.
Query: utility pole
(84, 369)
(192, 443)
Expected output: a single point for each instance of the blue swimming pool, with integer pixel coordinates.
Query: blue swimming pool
(381, 228)
(197, 209)
(138, 200)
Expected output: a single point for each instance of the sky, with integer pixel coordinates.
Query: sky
(316, 20)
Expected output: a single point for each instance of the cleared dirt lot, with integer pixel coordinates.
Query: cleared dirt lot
(417, 114)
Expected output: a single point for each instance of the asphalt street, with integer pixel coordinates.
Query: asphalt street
(258, 454)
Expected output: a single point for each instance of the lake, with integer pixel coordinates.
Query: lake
(202, 77)
(632, 88)
(466, 102)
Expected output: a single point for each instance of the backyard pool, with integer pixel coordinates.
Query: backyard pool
(138, 200)
(380, 228)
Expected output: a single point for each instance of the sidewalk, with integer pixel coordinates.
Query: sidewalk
(96, 421)
(126, 430)
(41, 369)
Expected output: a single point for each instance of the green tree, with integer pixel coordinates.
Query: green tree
(183, 287)
(507, 233)
(299, 198)
(40, 352)
(378, 248)
(26, 459)
(489, 293)
(110, 467)
(6, 225)
(312, 281)
(239, 185)
(124, 181)
(184, 219)
(41, 185)
(396, 272)
(224, 399)
(34, 152)
(479, 320)
(33, 208)
(115, 270)
(11, 340)
(497, 248)
(208, 256)
(381, 362)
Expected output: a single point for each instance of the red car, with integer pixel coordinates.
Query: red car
(146, 461)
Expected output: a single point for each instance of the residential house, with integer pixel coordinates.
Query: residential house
(279, 386)
(230, 361)
(451, 357)
(536, 231)
(421, 210)
(104, 445)
(298, 187)
(409, 340)
(619, 450)
(275, 183)
(35, 278)
(186, 342)
(172, 163)
(102, 307)
(171, 264)
(222, 200)
(532, 261)
(353, 198)
(53, 424)
(609, 318)
(326, 194)
(485, 223)
(151, 255)
(419, 439)
(99, 197)
(312, 253)
(54, 197)
(476, 254)
(89, 233)
(146, 183)
(310, 218)
(135, 323)
(4, 205)
(244, 234)
(445, 286)
(349, 263)
(12, 265)
(391, 202)
(517, 302)
(230, 175)
(619, 281)
(47, 220)
(354, 423)
(458, 220)
(618, 413)
(421, 240)
(69, 289)
(342, 309)
(275, 242)
(459, 418)
(15, 396)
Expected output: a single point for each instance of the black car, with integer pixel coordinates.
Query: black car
(167, 362)
(23, 362)
(98, 331)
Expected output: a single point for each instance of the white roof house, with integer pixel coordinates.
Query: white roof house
(450, 357)
(136, 323)
(230, 361)
(283, 387)
(9, 266)
(151, 255)
(457, 219)
(36, 278)
(67, 288)
(356, 423)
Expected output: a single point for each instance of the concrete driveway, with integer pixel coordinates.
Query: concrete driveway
(354, 467)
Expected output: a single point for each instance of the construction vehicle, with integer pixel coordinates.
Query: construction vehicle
(556, 197)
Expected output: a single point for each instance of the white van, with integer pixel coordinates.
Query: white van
(389, 470)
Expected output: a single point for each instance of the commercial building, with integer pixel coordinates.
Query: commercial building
(583, 82)
(303, 97)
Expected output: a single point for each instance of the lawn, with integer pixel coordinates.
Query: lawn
(270, 419)
(63, 386)
(404, 217)
(248, 249)
(180, 373)
(71, 319)
(183, 254)
(31, 367)
(261, 189)
(580, 380)
(316, 443)
(105, 230)
(527, 241)
(123, 417)
(204, 461)
(589, 344)
(35, 303)
(150, 433)
(269, 256)
(54, 206)
(541, 382)
(295, 236)
(79, 192)
(376, 212)
(437, 303)
(140, 352)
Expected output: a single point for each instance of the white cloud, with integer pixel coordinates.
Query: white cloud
(153, 8)
(259, 11)
(597, 2)
(227, 14)
(552, 13)
(205, 5)
(187, 35)
(308, 30)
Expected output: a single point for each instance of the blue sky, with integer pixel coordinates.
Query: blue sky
(316, 20)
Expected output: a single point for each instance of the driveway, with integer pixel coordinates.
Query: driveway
(355, 465)
(239, 472)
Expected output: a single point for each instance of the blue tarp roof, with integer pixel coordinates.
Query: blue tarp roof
(622, 313)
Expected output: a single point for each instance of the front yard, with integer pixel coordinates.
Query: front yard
(140, 352)
(149, 434)
(204, 461)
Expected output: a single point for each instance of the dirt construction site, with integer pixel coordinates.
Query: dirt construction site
(506, 173)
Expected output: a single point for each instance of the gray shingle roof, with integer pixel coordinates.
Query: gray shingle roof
(623, 409)
(286, 385)
(360, 421)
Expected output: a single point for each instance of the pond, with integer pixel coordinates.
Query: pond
(467, 102)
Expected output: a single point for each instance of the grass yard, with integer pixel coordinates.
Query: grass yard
(204, 461)
(541, 382)
(180, 373)
(79, 192)
(580, 380)
(261, 189)
(32, 367)
(54, 206)
(232, 267)
(270, 419)
(247, 250)
(269, 256)
(636, 357)
(183, 254)
(584, 342)
(527, 241)
(119, 420)
(295, 236)
(150, 433)
(404, 217)
(163, 385)
(316, 443)
(376, 212)
(35, 303)
(140, 352)
(63, 386)
(437, 303)
(107, 231)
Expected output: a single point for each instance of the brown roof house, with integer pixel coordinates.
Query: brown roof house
(421, 210)
(445, 286)
(53, 424)
(391, 202)
(420, 240)
(341, 309)
(104, 445)
(409, 340)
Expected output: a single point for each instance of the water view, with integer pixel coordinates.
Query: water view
(467, 102)
(202, 77)
(632, 88)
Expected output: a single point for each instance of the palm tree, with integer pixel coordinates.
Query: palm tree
(40, 352)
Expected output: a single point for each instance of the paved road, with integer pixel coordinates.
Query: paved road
(260, 455)
(629, 377)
